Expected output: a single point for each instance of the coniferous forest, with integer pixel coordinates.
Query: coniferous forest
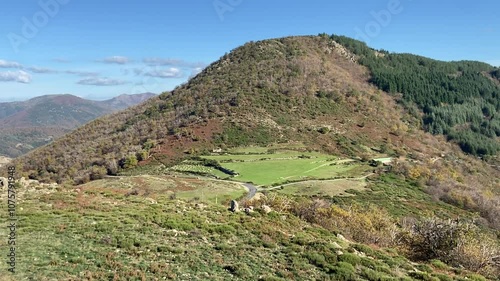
(460, 100)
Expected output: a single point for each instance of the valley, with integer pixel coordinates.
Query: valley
(29, 124)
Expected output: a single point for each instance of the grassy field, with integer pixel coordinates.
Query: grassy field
(289, 165)
(187, 188)
(278, 171)
(198, 169)
(324, 188)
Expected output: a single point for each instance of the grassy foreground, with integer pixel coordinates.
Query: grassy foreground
(99, 232)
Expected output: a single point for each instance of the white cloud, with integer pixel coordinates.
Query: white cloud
(37, 69)
(15, 76)
(81, 73)
(165, 73)
(116, 60)
(172, 62)
(101, 82)
(9, 64)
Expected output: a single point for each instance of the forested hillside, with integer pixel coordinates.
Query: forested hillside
(26, 125)
(459, 99)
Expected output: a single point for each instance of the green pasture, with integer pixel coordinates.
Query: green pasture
(336, 187)
(203, 190)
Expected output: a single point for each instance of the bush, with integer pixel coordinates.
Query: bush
(350, 258)
(455, 243)
(343, 272)
(443, 277)
(439, 264)
(239, 269)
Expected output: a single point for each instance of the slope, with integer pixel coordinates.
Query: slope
(459, 99)
(306, 89)
(30, 124)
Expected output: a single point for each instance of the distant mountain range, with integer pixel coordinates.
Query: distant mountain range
(29, 124)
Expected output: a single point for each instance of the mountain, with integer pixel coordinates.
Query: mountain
(459, 99)
(337, 105)
(30, 124)
(125, 101)
(309, 89)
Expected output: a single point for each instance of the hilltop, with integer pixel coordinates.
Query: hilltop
(29, 124)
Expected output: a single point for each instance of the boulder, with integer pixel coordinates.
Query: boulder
(248, 210)
(234, 207)
(336, 245)
(342, 238)
(266, 209)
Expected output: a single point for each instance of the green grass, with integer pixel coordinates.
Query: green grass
(274, 172)
(288, 166)
(198, 169)
(324, 188)
(100, 233)
(401, 198)
(187, 188)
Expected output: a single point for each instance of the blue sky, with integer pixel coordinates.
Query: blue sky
(99, 49)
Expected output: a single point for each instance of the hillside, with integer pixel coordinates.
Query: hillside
(29, 124)
(458, 99)
(305, 119)
(306, 89)
(132, 229)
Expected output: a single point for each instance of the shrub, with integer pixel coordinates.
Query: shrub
(455, 243)
(373, 275)
(423, 276)
(343, 271)
(350, 258)
(324, 130)
(317, 260)
(438, 264)
(442, 277)
(239, 269)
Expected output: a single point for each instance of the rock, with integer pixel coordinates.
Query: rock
(266, 209)
(342, 238)
(234, 206)
(200, 206)
(336, 245)
(359, 254)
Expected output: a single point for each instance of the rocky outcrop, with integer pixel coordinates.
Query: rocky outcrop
(234, 206)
